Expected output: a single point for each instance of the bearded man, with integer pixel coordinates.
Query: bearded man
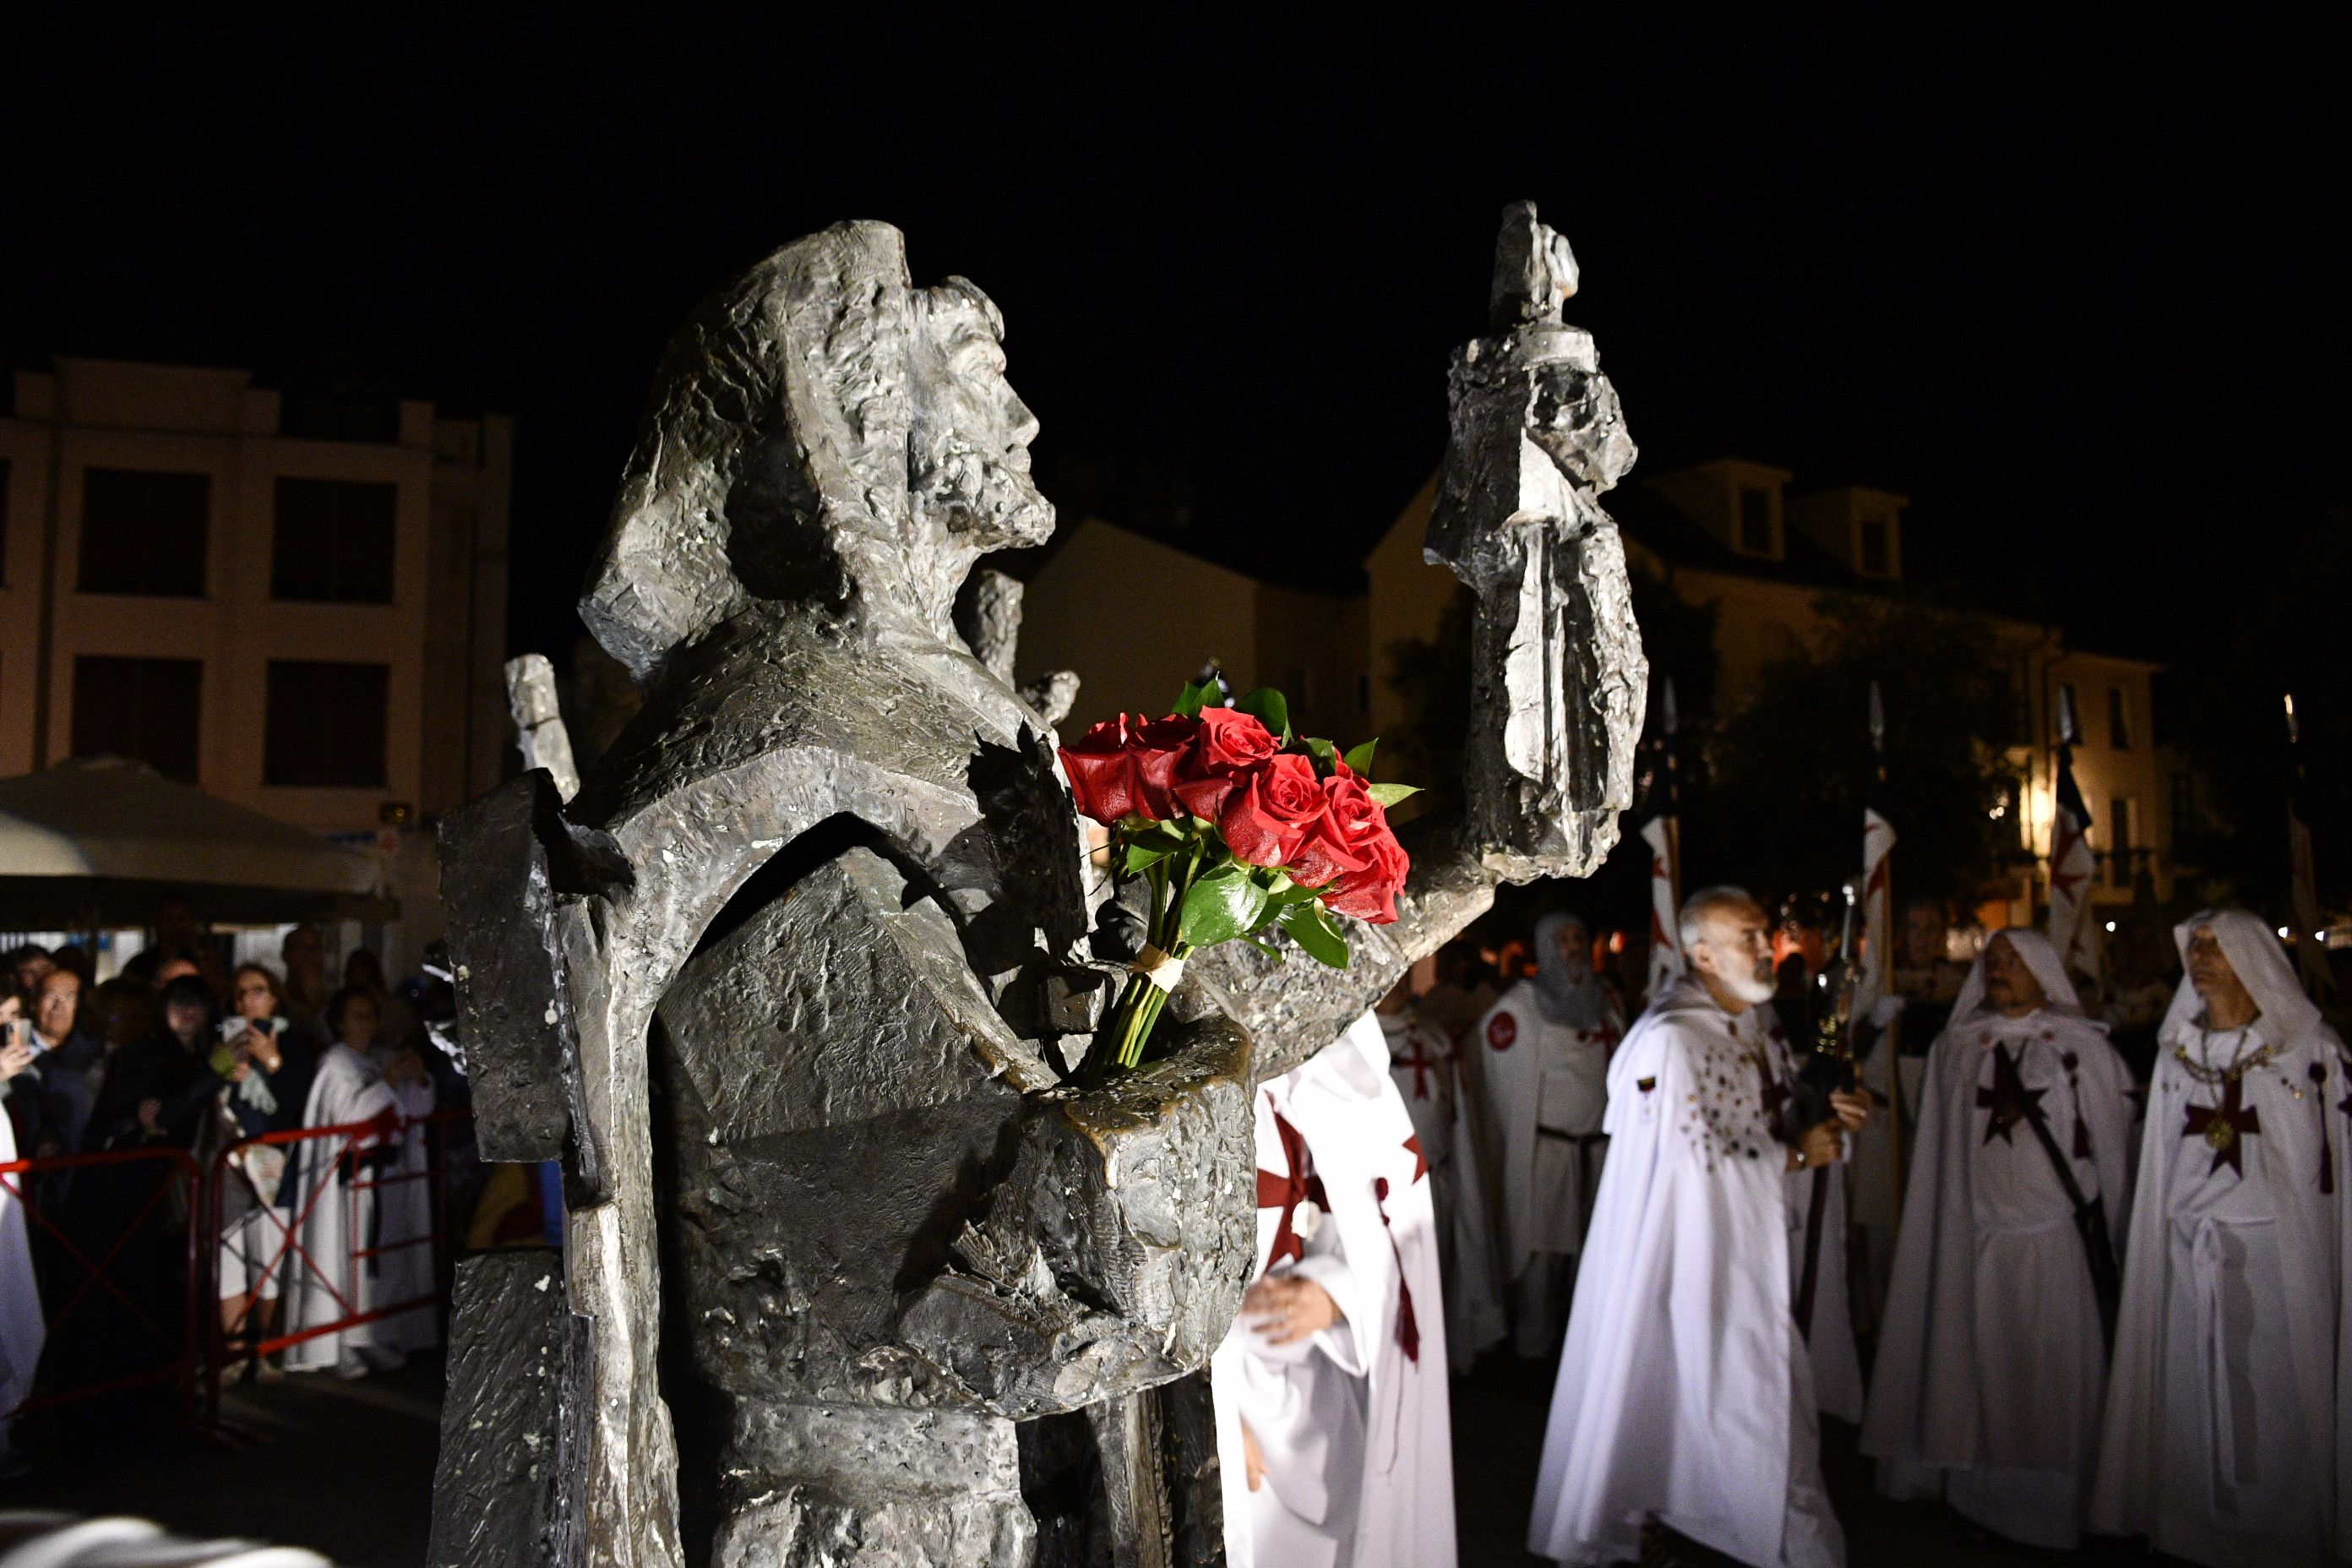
(1685, 1398)
(1538, 1094)
(2226, 1428)
(1989, 1376)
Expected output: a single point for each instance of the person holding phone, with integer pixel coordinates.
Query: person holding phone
(267, 1067)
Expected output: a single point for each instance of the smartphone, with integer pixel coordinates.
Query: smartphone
(19, 1032)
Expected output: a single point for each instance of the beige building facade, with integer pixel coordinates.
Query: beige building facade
(1135, 617)
(295, 601)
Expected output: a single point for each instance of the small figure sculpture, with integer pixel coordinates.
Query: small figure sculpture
(853, 1273)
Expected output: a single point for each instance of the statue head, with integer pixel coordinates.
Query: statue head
(822, 436)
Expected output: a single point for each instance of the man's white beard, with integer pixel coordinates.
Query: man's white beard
(1751, 988)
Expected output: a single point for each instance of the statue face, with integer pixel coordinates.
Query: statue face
(968, 450)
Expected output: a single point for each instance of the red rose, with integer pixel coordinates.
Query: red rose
(1370, 895)
(1102, 773)
(1231, 743)
(1336, 845)
(1271, 809)
(1159, 748)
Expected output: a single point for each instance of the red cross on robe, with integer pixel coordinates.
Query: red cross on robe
(1297, 1185)
(1422, 1063)
(2226, 1127)
(2008, 1099)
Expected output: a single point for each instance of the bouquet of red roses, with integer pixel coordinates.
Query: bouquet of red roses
(1237, 825)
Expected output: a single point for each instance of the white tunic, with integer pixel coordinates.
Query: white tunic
(1352, 1424)
(1990, 1374)
(23, 1329)
(403, 1225)
(2224, 1440)
(1684, 1391)
(1422, 1062)
(1545, 1087)
(324, 1282)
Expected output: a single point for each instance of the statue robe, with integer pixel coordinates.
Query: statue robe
(2225, 1439)
(1352, 1424)
(1542, 1089)
(1992, 1366)
(1685, 1391)
(324, 1282)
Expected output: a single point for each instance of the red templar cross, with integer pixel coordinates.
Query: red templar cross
(2226, 1127)
(1422, 1063)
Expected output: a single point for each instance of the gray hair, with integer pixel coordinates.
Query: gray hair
(1693, 915)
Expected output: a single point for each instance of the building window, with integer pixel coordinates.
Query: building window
(1875, 561)
(333, 541)
(144, 533)
(324, 725)
(146, 709)
(2119, 731)
(1754, 520)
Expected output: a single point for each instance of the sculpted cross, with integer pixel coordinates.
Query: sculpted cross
(2225, 1127)
(2009, 1099)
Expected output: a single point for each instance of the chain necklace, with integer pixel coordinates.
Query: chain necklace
(2244, 1062)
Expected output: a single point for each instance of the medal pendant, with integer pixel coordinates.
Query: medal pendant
(2220, 1134)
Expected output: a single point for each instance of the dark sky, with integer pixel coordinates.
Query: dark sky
(2081, 296)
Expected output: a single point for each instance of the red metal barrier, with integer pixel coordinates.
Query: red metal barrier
(85, 1274)
(350, 1144)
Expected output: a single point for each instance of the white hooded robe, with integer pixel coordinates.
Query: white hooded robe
(324, 1283)
(1685, 1391)
(1992, 1364)
(2225, 1438)
(1422, 1062)
(23, 1329)
(1351, 1422)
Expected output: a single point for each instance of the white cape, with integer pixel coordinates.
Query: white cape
(1353, 1427)
(403, 1228)
(324, 1283)
(2240, 1271)
(1829, 1339)
(1427, 1070)
(1684, 1391)
(23, 1330)
(1992, 1366)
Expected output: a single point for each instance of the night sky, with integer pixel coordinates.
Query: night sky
(2080, 298)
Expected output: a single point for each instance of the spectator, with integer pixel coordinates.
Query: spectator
(330, 1284)
(269, 1075)
(120, 1011)
(26, 966)
(51, 1095)
(303, 995)
(131, 1218)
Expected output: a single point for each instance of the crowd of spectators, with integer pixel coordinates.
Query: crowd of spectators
(178, 1051)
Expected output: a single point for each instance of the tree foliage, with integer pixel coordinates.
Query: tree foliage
(1789, 770)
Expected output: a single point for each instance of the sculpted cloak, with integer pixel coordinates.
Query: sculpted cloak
(1992, 1365)
(1352, 1424)
(1685, 1391)
(2224, 1439)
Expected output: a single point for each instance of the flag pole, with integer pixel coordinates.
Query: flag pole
(1882, 961)
(2303, 872)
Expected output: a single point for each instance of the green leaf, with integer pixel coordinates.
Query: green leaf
(1221, 906)
(1141, 855)
(1361, 759)
(1270, 709)
(1326, 754)
(1311, 927)
(1192, 699)
(1388, 795)
(1290, 894)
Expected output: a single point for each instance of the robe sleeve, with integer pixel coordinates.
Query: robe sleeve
(2104, 1090)
(1326, 1263)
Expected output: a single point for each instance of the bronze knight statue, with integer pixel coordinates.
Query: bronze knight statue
(854, 1272)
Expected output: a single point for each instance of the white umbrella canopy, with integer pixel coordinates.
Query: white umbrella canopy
(102, 839)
